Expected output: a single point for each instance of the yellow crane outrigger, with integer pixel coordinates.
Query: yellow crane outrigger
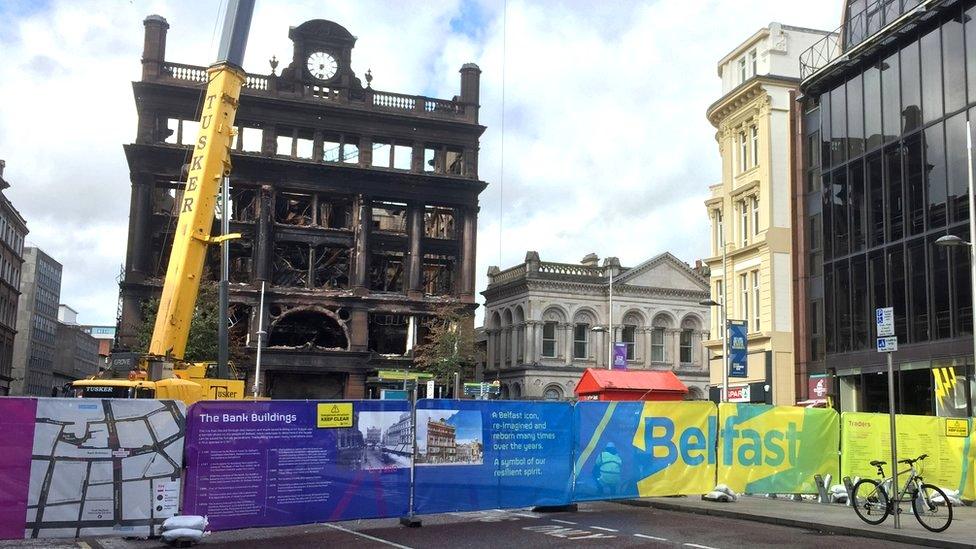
(162, 373)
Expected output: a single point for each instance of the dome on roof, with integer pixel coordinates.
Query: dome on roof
(321, 29)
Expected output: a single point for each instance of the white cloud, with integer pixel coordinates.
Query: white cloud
(606, 144)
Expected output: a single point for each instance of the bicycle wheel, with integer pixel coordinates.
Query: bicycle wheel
(932, 508)
(870, 501)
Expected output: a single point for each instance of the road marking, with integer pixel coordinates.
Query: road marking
(564, 521)
(84, 545)
(699, 546)
(367, 536)
(655, 538)
(526, 515)
(604, 529)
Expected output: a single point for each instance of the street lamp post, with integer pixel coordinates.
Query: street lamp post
(725, 321)
(951, 240)
(725, 345)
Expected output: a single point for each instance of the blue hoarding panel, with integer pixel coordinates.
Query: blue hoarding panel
(271, 463)
(475, 455)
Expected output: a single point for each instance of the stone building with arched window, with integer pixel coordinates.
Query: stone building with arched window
(546, 322)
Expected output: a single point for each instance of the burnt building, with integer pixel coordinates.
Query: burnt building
(358, 209)
(880, 178)
(13, 229)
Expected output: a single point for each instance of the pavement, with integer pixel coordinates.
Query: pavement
(833, 519)
(596, 524)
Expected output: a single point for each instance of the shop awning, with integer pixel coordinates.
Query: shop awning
(595, 381)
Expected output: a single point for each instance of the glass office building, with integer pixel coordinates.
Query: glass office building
(884, 176)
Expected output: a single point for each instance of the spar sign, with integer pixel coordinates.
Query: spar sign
(776, 449)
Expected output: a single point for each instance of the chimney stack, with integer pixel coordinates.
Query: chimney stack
(154, 46)
(471, 86)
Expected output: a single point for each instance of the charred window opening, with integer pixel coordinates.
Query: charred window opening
(388, 333)
(295, 264)
(334, 212)
(439, 222)
(455, 161)
(386, 272)
(390, 217)
(238, 324)
(293, 142)
(181, 132)
(167, 197)
(307, 210)
(442, 159)
(331, 267)
(439, 274)
(308, 328)
(241, 263)
(291, 264)
(242, 205)
(389, 154)
(293, 209)
(340, 148)
(247, 139)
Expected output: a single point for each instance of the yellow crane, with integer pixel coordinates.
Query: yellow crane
(162, 373)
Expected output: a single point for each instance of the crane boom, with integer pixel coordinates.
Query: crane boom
(209, 162)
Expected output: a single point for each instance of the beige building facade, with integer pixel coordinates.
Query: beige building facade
(750, 212)
(546, 322)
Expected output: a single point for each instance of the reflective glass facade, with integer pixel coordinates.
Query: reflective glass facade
(891, 166)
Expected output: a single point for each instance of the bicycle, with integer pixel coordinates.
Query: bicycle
(930, 504)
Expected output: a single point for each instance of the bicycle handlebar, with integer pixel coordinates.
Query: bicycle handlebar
(911, 461)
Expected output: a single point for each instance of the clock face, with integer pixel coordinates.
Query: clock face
(322, 65)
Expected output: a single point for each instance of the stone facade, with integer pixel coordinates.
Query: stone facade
(13, 229)
(547, 322)
(750, 263)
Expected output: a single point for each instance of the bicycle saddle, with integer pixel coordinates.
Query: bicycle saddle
(877, 463)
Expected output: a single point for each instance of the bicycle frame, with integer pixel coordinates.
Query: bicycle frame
(914, 480)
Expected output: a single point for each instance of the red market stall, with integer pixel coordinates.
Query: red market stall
(630, 385)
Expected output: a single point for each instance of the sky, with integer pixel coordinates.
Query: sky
(596, 135)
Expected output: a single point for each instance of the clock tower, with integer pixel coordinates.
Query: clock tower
(322, 55)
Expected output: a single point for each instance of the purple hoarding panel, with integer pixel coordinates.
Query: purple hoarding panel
(272, 463)
(17, 430)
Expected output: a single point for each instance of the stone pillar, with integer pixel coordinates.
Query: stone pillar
(675, 346)
(154, 46)
(269, 140)
(358, 330)
(360, 267)
(365, 152)
(531, 342)
(490, 349)
(567, 343)
(264, 238)
(415, 255)
(355, 388)
(140, 226)
(513, 343)
(469, 241)
(317, 146)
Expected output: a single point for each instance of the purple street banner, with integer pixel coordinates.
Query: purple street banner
(273, 463)
(619, 356)
(17, 428)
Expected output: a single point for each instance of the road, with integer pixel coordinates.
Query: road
(598, 524)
